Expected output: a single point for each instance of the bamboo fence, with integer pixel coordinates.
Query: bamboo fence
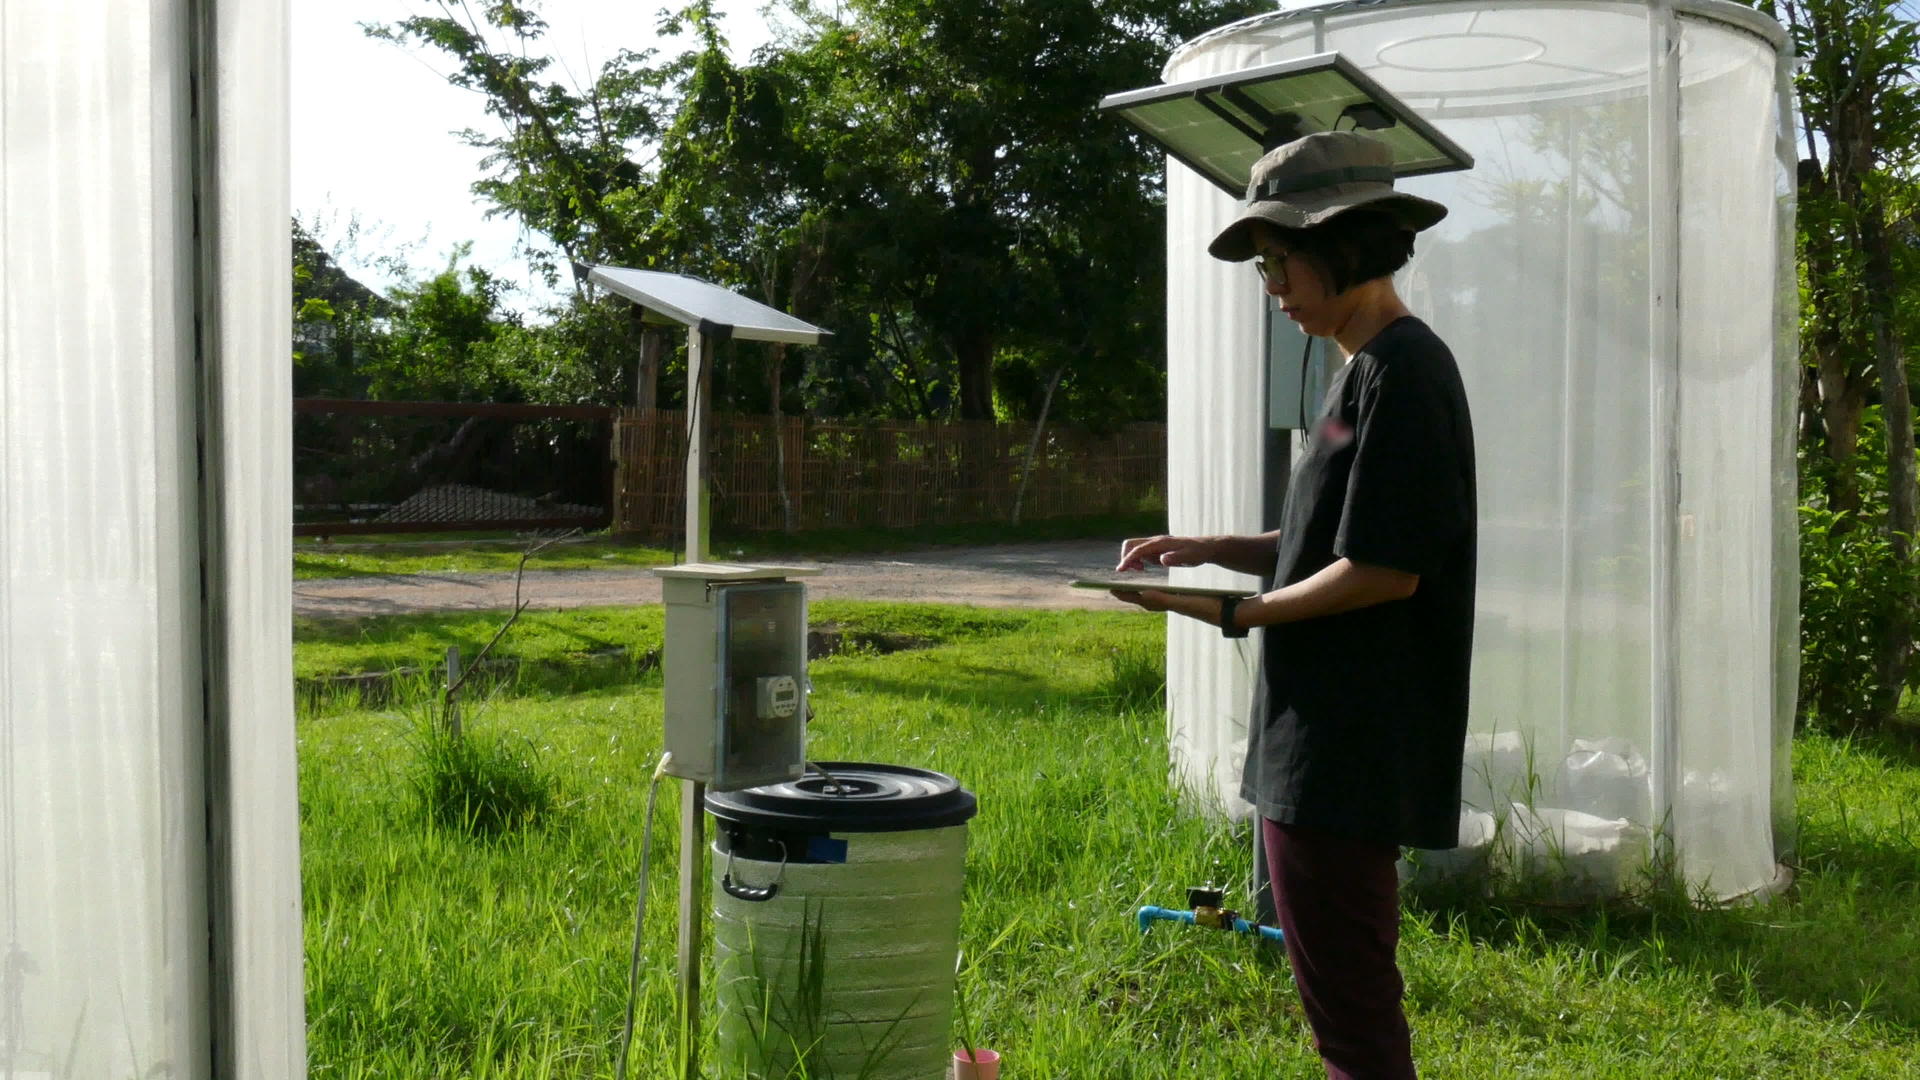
(846, 474)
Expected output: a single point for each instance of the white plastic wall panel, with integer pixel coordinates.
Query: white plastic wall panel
(1216, 420)
(250, 398)
(105, 677)
(1542, 280)
(100, 721)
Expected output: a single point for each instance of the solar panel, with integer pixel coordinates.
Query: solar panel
(1220, 125)
(692, 302)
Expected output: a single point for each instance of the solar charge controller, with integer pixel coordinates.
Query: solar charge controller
(736, 673)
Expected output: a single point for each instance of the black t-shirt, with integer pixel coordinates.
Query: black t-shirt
(1361, 718)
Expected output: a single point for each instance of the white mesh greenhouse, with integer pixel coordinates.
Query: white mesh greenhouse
(149, 865)
(1616, 281)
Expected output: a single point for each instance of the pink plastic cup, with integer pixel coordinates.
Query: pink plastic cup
(983, 1065)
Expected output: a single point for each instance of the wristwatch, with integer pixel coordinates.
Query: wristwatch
(1227, 627)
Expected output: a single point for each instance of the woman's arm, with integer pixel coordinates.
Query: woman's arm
(1243, 554)
(1344, 585)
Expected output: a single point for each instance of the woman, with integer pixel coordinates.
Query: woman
(1361, 712)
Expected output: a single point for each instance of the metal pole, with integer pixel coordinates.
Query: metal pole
(1663, 184)
(1277, 434)
(1569, 416)
(693, 831)
(1785, 592)
(699, 391)
(693, 851)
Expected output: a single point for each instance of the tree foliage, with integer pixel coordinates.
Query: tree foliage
(928, 180)
(994, 227)
(562, 166)
(1859, 260)
(331, 317)
(432, 337)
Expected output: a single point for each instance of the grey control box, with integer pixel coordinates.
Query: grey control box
(736, 674)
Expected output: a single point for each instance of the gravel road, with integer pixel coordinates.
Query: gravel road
(1011, 575)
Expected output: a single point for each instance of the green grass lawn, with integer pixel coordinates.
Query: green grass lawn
(347, 646)
(426, 553)
(418, 555)
(431, 954)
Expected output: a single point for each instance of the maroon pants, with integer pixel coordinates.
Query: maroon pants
(1339, 903)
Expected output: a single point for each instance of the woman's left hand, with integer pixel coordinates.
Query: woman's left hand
(1150, 599)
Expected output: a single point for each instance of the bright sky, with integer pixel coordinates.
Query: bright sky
(373, 127)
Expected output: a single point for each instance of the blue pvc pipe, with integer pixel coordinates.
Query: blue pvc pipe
(1149, 915)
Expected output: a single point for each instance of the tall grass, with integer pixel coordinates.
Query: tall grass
(481, 783)
(431, 954)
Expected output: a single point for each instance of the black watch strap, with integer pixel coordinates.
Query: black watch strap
(1227, 627)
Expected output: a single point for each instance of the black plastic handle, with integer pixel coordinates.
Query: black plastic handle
(749, 893)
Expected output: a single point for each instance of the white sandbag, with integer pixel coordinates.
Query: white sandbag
(1607, 778)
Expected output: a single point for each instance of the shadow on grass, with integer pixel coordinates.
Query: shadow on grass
(592, 638)
(1897, 744)
(1838, 944)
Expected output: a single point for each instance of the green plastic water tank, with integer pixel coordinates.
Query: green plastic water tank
(836, 921)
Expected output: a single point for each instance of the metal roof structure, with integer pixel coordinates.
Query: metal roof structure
(701, 305)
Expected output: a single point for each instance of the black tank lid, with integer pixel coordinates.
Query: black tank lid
(860, 797)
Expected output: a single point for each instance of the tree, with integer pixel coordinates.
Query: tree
(1861, 112)
(928, 180)
(332, 318)
(562, 166)
(433, 345)
(986, 209)
(427, 340)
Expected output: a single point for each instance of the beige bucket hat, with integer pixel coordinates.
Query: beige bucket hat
(1315, 179)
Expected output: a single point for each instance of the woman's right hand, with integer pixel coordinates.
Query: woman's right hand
(1136, 553)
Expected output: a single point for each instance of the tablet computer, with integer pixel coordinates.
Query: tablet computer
(1143, 583)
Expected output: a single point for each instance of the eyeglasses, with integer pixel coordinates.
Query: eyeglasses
(1273, 268)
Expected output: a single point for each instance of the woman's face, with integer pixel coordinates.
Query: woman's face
(1299, 287)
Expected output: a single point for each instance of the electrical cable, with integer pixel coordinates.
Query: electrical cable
(694, 400)
(639, 918)
(833, 782)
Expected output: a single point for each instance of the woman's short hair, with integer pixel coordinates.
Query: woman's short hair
(1357, 246)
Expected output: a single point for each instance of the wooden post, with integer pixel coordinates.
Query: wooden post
(646, 382)
(775, 369)
(453, 699)
(693, 899)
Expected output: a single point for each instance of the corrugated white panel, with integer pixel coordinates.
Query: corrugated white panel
(103, 905)
(1216, 420)
(245, 56)
(1725, 648)
(110, 339)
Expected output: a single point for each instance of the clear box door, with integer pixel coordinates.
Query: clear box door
(764, 680)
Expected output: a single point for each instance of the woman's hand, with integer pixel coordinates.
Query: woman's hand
(1165, 551)
(1149, 599)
